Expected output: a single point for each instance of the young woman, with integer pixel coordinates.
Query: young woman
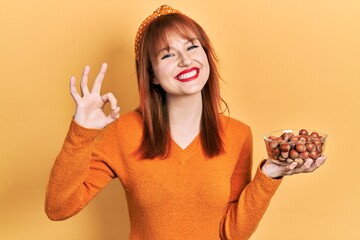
(185, 167)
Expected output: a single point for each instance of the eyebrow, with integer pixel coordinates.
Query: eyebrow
(167, 48)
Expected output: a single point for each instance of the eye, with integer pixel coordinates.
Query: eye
(192, 47)
(167, 55)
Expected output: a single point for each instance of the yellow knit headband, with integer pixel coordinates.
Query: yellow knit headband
(160, 11)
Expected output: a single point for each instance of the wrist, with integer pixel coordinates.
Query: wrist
(268, 170)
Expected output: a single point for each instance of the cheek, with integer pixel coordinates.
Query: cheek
(204, 58)
(155, 70)
(163, 69)
(206, 67)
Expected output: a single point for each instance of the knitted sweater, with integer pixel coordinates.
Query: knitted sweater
(185, 196)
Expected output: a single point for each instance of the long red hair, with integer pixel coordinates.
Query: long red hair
(156, 139)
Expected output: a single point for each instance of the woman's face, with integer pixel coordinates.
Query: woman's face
(182, 67)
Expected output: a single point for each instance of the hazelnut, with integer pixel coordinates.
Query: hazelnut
(276, 152)
(294, 139)
(285, 154)
(294, 154)
(300, 147)
(317, 142)
(303, 132)
(285, 147)
(304, 155)
(314, 155)
(310, 147)
(299, 161)
(286, 136)
(314, 134)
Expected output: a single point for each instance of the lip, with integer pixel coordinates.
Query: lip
(188, 71)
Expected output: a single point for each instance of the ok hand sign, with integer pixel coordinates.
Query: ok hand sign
(89, 106)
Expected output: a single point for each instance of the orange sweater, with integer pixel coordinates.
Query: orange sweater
(185, 196)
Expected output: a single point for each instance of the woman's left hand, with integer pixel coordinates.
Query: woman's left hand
(275, 170)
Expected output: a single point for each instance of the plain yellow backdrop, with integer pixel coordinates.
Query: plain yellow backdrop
(285, 64)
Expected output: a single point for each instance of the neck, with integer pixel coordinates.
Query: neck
(185, 112)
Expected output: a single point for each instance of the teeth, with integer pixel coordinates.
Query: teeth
(187, 75)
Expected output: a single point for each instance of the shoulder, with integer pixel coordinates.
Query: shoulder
(232, 125)
(235, 134)
(129, 122)
(130, 118)
(128, 130)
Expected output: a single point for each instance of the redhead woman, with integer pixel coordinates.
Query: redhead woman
(185, 166)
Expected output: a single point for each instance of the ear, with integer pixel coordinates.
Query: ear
(155, 81)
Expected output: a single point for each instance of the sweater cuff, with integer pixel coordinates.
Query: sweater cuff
(268, 184)
(79, 133)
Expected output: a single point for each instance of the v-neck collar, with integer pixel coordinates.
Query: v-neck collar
(191, 145)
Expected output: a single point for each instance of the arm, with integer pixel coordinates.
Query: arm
(86, 162)
(84, 166)
(249, 199)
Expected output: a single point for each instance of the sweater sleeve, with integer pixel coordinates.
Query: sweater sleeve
(249, 199)
(83, 167)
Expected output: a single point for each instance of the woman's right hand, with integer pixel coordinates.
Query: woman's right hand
(89, 106)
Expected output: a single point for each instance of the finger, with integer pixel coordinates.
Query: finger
(318, 162)
(73, 91)
(306, 167)
(321, 160)
(289, 169)
(113, 115)
(84, 81)
(292, 165)
(98, 81)
(109, 97)
(116, 113)
(308, 163)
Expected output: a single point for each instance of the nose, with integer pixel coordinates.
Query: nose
(185, 59)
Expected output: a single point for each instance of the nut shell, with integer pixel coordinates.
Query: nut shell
(310, 147)
(300, 147)
(285, 147)
(303, 132)
(314, 134)
(285, 154)
(304, 155)
(299, 161)
(294, 154)
(314, 154)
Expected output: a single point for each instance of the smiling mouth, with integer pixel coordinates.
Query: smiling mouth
(188, 75)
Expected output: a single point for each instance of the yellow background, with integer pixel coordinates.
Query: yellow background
(285, 64)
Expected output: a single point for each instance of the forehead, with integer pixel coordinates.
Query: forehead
(175, 38)
(173, 35)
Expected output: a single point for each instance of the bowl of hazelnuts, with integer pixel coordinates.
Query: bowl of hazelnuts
(294, 145)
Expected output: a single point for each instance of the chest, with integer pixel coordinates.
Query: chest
(188, 179)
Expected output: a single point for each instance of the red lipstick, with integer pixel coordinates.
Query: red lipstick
(188, 74)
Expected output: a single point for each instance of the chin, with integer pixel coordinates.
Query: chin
(193, 91)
